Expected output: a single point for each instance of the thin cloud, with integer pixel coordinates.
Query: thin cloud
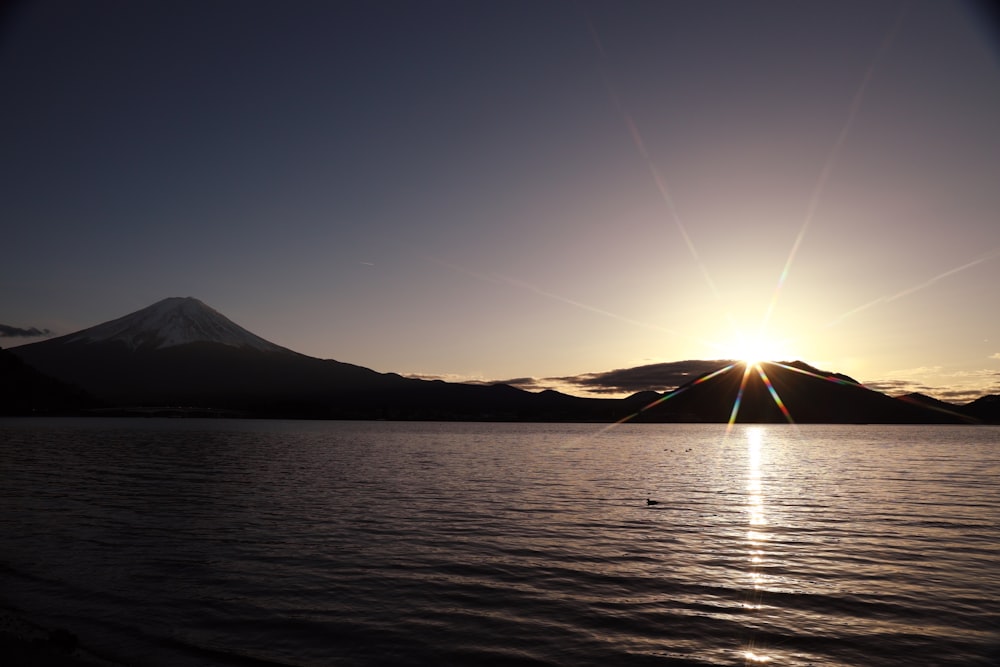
(901, 387)
(526, 383)
(964, 396)
(995, 355)
(660, 377)
(961, 386)
(653, 377)
(7, 331)
(916, 372)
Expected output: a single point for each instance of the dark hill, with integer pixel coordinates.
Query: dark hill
(26, 391)
(985, 409)
(807, 394)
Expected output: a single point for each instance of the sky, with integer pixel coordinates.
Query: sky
(540, 190)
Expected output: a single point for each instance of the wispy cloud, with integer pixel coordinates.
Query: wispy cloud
(7, 331)
(901, 387)
(652, 377)
(995, 355)
(956, 387)
(660, 377)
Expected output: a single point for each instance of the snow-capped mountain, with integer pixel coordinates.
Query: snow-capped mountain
(171, 322)
(182, 353)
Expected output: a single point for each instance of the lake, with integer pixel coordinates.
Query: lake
(238, 542)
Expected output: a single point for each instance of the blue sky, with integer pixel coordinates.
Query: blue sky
(496, 190)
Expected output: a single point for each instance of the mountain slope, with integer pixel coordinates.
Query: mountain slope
(26, 391)
(180, 352)
(171, 322)
(985, 409)
(807, 394)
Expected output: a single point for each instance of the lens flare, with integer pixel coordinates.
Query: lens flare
(774, 393)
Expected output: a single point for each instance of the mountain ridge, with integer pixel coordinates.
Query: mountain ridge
(181, 352)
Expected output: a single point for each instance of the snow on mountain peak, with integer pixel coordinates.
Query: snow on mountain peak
(174, 321)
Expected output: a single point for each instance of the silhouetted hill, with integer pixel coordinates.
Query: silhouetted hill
(26, 391)
(180, 352)
(985, 409)
(808, 394)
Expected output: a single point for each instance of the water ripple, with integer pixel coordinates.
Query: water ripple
(189, 542)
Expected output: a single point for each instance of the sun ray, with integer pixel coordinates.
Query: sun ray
(828, 378)
(668, 396)
(654, 171)
(829, 165)
(993, 254)
(500, 279)
(739, 397)
(774, 393)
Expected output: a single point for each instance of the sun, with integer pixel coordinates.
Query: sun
(752, 348)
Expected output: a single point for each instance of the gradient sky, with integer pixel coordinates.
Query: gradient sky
(496, 190)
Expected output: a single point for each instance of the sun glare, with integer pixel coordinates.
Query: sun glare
(754, 349)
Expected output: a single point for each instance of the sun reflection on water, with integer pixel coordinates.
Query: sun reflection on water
(757, 535)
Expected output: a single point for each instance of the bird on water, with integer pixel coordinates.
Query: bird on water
(652, 502)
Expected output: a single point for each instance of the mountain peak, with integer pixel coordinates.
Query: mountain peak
(171, 322)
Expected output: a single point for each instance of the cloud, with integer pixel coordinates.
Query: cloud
(653, 377)
(962, 396)
(7, 331)
(661, 377)
(995, 355)
(959, 387)
(916, 371)
(528, 383)
(901, 387)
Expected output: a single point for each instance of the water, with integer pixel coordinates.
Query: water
(213, 542)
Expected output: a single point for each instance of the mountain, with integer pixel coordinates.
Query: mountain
(808, 394)
(183, 354)
(172, 322)
(985, 409)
